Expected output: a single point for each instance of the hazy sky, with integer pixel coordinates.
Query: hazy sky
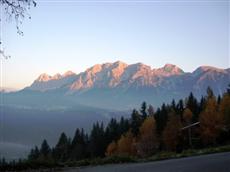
(74, 35)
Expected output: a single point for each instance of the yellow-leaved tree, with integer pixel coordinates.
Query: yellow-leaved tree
(147, 143)
(187, 118)
(225, 110)
(172, 132)
(125, 145)
(111, 149)
(211, 121)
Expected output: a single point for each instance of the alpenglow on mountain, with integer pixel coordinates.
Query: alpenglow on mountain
(121, 86)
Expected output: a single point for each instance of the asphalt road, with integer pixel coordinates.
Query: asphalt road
(206, 163)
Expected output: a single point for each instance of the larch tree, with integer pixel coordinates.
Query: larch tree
(111, 149)
(125, 145)
(172, 132)
(224, 109)
(187, 116)
(187, 119)
(211, 121)
(148, 142)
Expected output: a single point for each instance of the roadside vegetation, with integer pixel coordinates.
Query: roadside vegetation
(184, 128)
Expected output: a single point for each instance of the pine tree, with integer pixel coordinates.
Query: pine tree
(112, 131)
(180, 108)
(202, 104)
(61, 149)
(97, 141)
(34, 154)
(143, 110)
(192, 104)
(173, 105)
(150, 110)
(136, 121)
(45, 155)
(161, 118)
(123, 127)
(228, 89)
(45, 149)
(79, 145)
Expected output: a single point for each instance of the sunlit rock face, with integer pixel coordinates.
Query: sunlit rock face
(123, 85)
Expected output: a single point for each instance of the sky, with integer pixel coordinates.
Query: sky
(75, 35)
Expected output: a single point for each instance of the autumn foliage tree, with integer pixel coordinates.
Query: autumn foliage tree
(146, 132)
(172, 132)
(148, 142)
(187, 120)
(224, 109)
(126, 144)
(211, 121)
(111, 149)
(187, 116)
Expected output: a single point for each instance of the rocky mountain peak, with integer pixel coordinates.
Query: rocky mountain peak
(169, 70)
(43, 77)
(68, 73)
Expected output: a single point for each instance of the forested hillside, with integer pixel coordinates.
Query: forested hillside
(188, 123)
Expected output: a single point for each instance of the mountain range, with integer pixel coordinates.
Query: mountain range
(61, 103)
(119, 86)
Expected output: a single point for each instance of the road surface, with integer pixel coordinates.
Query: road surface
(206, 163)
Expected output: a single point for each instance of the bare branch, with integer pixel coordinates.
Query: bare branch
(17, 9)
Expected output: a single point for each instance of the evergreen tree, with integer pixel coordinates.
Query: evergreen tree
(202, 104)
(79, 145)
(136, 121)
(228, 89)
(161, 118)
(112, 131)
(143, 110)
(97, 141)
(61, 149)
(150, 110)
(218, 99)
(193, 106)
(180, 108)
(123, 126)
(173, 105)
(45, 149)
(34, 154)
